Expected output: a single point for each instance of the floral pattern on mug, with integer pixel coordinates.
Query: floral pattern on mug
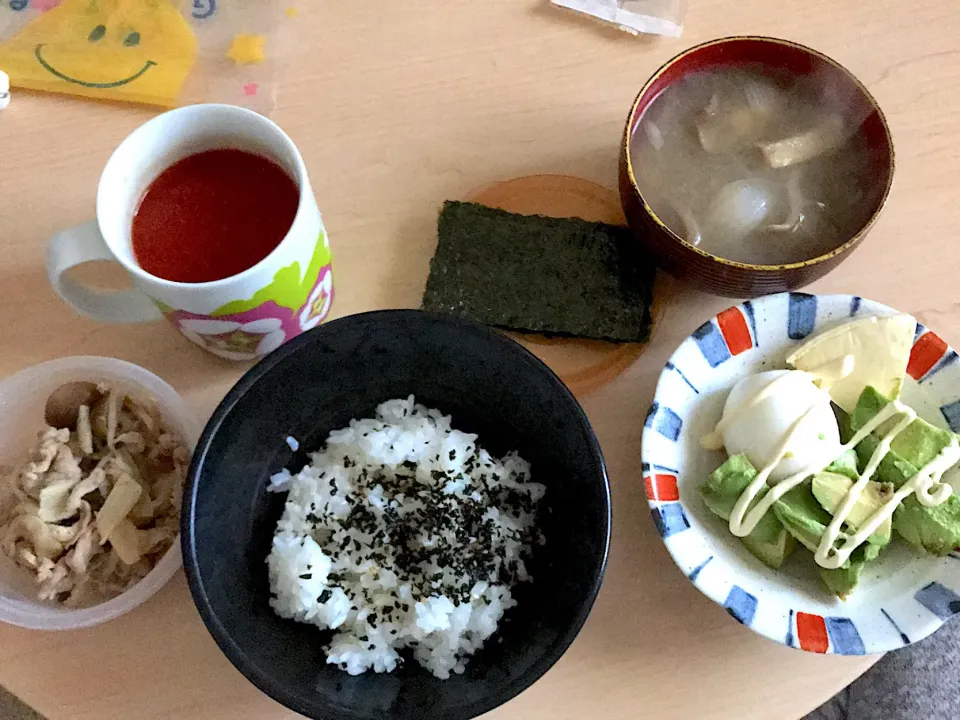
(235, 340)
(318, 304)
(258, 331)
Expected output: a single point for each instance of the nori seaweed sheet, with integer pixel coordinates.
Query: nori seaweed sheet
(535, 274)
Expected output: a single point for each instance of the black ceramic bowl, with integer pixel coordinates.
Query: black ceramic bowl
(317, 383)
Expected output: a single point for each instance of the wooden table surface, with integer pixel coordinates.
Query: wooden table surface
(396, 108)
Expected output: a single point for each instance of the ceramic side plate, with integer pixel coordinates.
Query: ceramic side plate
(903, 596)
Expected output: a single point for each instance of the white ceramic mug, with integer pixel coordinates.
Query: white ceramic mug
(241, 317)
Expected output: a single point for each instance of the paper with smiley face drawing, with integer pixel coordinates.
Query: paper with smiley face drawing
(158, 52)
(135, 50)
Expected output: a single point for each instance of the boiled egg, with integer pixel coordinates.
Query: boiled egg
(762, 417)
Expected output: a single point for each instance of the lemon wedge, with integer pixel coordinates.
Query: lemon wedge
(879, 348)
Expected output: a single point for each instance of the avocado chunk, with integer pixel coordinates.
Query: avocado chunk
(770, 549)
(769, 541)
(864, 450)
(805, 519)
(830, 490)
(802, 515)
(846, 465)
(918, 444)
(934, 529)
(892, 469)
(726, 484)
(842, 581)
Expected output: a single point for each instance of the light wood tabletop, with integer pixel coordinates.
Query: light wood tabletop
(396, 107)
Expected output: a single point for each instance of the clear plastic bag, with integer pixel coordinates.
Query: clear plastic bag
(158, 52)
(655, 17)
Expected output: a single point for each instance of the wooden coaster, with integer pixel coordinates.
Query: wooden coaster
(584, 365)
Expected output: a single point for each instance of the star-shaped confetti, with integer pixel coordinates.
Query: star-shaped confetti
(247, 49)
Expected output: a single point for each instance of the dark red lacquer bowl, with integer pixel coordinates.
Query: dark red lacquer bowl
(715, 274)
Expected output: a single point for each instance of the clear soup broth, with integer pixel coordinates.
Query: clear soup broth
(757, 165)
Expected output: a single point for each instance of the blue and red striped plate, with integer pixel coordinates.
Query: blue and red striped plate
(903, 596)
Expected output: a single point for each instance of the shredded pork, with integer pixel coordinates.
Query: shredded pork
(96, 505)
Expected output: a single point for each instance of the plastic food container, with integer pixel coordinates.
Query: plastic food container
(22, 400)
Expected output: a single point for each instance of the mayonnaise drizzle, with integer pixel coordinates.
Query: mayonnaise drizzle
(926, 484)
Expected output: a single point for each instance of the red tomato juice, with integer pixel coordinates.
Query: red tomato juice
(213, 215)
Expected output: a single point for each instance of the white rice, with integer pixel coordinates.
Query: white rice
(403, 533)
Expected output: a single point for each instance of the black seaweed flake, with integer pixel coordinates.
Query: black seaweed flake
(306, 576)
(324, 596)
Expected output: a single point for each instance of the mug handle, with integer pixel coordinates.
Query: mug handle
(80, 244)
